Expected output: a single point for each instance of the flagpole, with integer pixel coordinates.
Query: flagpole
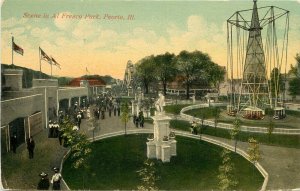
(40, 63)
(51, 67)
(12, 50)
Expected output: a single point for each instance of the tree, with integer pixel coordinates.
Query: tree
(294, 87)
(216, 114)
(145, 71)
(125, 115)
(165, 69)
(277, 83)
(78, 143)
(197, 68)
(216, 75)
(148, 176)
(294, 69)
(270, 128)
(253, 150)
(235, 131)
(226, 178)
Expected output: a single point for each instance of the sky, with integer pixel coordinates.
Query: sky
(101, 36)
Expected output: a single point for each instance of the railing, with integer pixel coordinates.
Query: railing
(229, 126)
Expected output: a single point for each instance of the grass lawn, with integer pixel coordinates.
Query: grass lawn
(291, 121)
(114, 163)
(292, 141)
(175, 109)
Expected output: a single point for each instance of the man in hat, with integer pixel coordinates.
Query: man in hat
(30, 146)
(56, 179)
(44, 183)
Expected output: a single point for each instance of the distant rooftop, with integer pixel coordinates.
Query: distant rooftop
(92, 82)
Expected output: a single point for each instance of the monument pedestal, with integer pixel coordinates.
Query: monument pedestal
(151, 149)
(161, 147)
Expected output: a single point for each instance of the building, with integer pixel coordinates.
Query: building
(26, 112)
(95, 86)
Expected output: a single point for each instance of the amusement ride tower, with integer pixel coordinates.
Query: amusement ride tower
(250, 62)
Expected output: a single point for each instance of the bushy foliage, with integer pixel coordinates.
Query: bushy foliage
(148, 176)
(78, 143)
(253, 150)
(226, 178)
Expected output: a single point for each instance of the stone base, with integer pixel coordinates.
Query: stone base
(151, 150)
(162, 146)
(161, 150)
(173, 147)
(165, 153)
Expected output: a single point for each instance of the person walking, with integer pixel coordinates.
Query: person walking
(44, 182)
(14, 143)
(55, 181)
(137, 120)
(30, 147)
(109, 110)
(142, 119)
(118, 109)
(115, 109)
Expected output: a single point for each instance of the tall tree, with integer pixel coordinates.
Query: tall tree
(294, 87)
(277, 82)
(295, 69)
(216, 75)
(194, 67)
(165, 69)
(145, 71)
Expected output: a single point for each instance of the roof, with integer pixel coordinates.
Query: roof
(252, 109)
(92, 82)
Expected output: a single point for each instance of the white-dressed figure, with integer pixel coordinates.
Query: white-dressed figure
(160, 103)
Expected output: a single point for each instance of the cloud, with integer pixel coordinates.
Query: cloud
(13, 22)
(86, 29)
(63, 23)
(38, 32)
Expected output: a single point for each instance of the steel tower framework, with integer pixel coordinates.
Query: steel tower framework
(250, 62)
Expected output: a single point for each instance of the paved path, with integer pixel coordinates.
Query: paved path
(282, 164)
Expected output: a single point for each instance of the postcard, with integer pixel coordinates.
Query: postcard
(150, 95)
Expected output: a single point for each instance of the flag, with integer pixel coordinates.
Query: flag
(55, 63)
(44, 56)
(17, 48)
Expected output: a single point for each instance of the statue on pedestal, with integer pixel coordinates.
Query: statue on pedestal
(160, 103)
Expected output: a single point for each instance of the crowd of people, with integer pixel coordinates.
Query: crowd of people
(105, 105)
(108, 104)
